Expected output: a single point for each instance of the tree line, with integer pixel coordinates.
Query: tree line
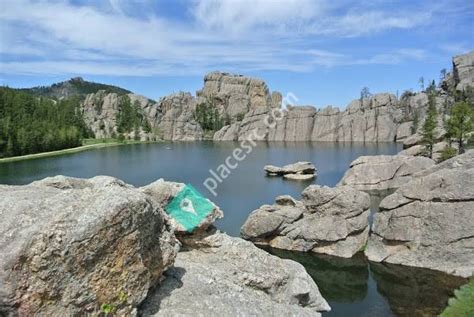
(459, 125)
(30, 124)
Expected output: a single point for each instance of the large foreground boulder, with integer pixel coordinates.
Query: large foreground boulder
(429, 222)
(223, 276)
(328, 220)
(69, 246)
(383, 172)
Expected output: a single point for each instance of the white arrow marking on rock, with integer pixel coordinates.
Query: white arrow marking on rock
(187, 205)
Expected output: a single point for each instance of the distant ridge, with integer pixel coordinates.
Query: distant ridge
(76, 86)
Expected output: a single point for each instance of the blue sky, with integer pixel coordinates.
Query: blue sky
(323, 52)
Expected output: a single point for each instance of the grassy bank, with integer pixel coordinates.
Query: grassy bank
(87, 144)
(462, 305)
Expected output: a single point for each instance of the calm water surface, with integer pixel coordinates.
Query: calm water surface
(353, 287)
(246, 189)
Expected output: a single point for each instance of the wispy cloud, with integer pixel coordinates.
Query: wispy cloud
(134, 38)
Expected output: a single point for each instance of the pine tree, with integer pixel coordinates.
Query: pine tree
(460, 123)
(429, 126)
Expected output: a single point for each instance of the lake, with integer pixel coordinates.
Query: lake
(352, 286)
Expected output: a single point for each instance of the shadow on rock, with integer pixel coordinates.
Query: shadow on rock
(172, 281)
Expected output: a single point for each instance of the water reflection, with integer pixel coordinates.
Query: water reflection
(339, 279)
(357, 287)
(414, 291)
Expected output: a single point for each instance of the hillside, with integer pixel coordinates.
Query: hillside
(72, 87)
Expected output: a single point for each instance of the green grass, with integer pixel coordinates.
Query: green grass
(462, 304)
(99, 141)
(88, 144)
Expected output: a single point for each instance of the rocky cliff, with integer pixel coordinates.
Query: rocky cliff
(238, 105)
(428, 222)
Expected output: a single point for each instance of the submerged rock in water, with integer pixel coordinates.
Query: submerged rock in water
(222, 276)
(383, 172)
(295, 171)
(429, 222)
(328, 220)
(70, 245)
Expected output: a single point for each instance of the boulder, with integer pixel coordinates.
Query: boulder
(328, 220)
(69, 246)
(429, 221)
(224, 276)
(420, 150)
(464, 162)
(415, 150)
(304, 169)
(383, 172)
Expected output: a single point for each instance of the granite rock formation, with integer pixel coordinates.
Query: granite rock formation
(429, 221)
(175, 118)
(328, 220)
(463, 71)
(70, 245)
(383, 172)
(74, 246)
(223, 276)
(246, 104)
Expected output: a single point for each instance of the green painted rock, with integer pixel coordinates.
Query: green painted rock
(189, 211)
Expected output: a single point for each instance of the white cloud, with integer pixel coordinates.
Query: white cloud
(456, 48)
(302, 17)
(363, 23)
(235, 16)
(55, 37)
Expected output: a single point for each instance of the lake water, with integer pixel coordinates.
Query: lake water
(353, 287)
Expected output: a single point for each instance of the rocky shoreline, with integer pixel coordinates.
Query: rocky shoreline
(427, 222)
(88, 246)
